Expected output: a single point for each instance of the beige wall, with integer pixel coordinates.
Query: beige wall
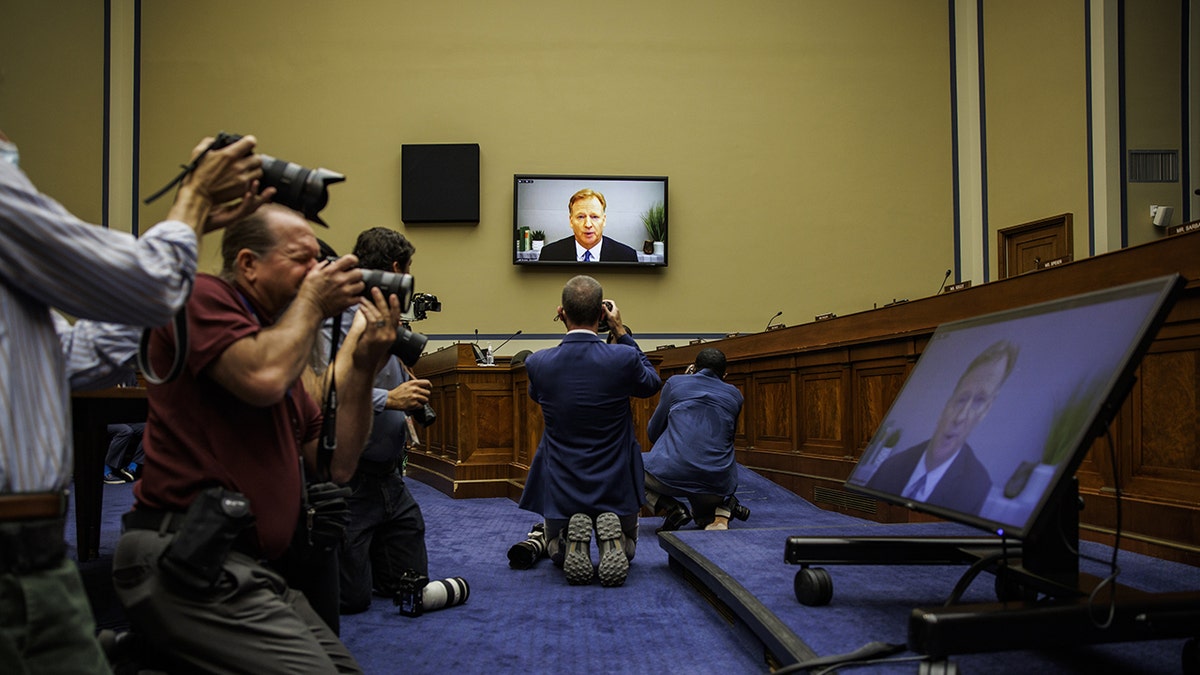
(52, 97)
(1153, 117)
(808, 142)
(1036, 98)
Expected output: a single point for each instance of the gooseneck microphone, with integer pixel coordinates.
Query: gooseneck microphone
(510, 337)
(777, 315)
(939, 290)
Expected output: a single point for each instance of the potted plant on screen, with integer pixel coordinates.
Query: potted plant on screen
(539, 240)
(655, 220)
(1069, 416)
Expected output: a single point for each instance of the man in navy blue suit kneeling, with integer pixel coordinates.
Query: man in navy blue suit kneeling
(588, 473)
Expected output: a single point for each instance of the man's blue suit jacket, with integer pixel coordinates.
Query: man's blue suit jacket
(588, 460)
(964, 487)
(563, 250)
(692, 431)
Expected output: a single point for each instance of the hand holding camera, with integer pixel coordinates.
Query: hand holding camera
(409, 395)
(333, 285)
(224, 173)
(375, 327)
(610, 319)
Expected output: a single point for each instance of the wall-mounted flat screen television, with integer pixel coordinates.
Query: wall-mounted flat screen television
(590, 220)
(1000, 410)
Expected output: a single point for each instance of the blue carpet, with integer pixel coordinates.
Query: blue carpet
(514, 621)
(532, 621)
(873, 603)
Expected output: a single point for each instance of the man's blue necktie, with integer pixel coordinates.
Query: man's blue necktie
(587, 256)
(916, 488)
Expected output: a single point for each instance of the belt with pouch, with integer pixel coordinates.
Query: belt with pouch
(167, 522)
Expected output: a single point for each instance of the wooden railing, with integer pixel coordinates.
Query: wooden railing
(815, 394)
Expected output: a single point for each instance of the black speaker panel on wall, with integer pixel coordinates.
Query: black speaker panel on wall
(439, 183)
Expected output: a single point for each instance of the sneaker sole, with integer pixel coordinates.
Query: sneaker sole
(577, 564)
(614, 566)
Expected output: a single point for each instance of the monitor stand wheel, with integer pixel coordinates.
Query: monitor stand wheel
(813, 586)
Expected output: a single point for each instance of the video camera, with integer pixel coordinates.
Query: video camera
(422, 304)
(305, 190)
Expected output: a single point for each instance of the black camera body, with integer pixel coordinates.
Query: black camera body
(604, 327)
(423, 303)
(305, 190)
(424, 415)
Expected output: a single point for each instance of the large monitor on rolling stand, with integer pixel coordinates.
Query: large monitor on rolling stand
(988, 430)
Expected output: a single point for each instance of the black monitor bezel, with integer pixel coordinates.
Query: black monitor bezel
(1100, 415)
(583, 179)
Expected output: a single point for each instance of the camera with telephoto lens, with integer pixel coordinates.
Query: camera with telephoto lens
(303, 189)
(390, 283)
(417, 594)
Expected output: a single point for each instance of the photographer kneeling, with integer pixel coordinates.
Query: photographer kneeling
(384, 547)
(221, 489)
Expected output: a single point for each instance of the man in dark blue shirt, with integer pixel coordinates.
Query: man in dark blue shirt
(692, 430)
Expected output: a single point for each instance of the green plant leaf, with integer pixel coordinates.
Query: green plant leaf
(655, 220)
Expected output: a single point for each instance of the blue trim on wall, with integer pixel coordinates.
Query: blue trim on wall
(1091, 130)
(524, 337)
(955, 169)
(1121, 116)
(106, 141)
(137, 113)
(1185, 133)
(983, 174)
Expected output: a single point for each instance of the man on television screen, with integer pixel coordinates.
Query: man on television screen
(944, 470)
(588, 244)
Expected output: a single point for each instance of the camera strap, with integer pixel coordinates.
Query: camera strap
(328, 441)
(181, 347)
(187, 168)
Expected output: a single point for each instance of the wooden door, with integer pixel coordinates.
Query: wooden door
(1029, 247)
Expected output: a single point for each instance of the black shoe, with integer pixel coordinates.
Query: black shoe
(525, 554)
(676, 514)
(736, 509)
(115, 477)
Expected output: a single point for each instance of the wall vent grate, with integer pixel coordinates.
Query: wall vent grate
(1153, 166)
(847, 500)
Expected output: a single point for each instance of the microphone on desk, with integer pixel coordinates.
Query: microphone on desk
(507, 341)
(940, 288)
(480, 357)
(777, 315)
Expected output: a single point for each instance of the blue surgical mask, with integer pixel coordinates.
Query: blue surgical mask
(8, 153)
